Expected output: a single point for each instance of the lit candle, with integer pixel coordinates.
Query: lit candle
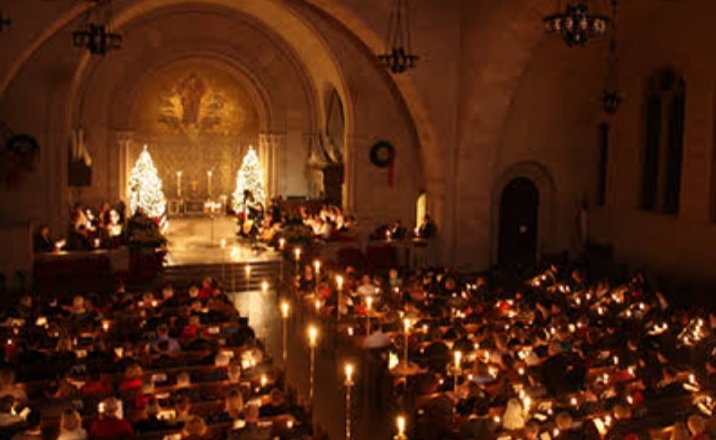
(349, 373)
(284, 309)
(317, 266)
(456, 373)
(458, 360)
(264, 381)
(248, 271)
(178, 183)
(208, 182)
(369, 305)
(223, 243)
(339, 282)
(105, 325)
(281, 244)
(312, 335)
(400, 422)
(297, 254)
(318, 305)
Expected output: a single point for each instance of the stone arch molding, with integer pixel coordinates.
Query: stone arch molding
(543, 180)
(282, 17)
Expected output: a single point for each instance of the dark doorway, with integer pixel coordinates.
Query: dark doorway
(519, 210)
(333, 184)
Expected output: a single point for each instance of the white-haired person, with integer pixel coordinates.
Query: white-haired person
(110, 424)
(71, 426)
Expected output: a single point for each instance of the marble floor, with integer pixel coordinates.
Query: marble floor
(193, 240)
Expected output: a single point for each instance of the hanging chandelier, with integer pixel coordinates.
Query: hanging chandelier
(399, 56)
(96, 34)
(576, 24)
(611, 100)
(4, 21)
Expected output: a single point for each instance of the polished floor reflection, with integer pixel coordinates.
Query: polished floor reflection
(193, 240)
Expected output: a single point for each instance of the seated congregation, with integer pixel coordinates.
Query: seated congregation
(165, 365)
(555, 357)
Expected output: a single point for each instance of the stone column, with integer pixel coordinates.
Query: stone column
(271, 151)
(122, 140)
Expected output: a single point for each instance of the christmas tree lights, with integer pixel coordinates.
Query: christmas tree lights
(145, 187)
(249, 177)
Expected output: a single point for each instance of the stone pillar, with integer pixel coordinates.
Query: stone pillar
(122, 140)
(271, 151)
(353, 154)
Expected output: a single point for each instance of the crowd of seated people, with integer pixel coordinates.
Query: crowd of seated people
(324, 224)
(157, 365)
(557, 357)
(398, 232)
(88, 229)
(328, 223)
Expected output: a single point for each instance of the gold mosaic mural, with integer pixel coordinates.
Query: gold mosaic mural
(194, 98)
(195, 118)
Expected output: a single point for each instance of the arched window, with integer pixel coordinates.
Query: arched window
(664, 142)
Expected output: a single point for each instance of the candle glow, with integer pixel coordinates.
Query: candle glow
(349, 373)
(312, 335)
(400, 422)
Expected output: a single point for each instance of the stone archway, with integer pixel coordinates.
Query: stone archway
(544, 184)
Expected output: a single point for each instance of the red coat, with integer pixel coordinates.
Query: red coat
(110, 428)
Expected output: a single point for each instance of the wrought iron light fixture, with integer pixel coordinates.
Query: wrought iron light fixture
(399, 56)
(96, 34)
(576, 24)
(612, 98)
(4, 21)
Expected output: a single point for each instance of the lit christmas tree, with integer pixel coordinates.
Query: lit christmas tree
(145, 187)
(249, 177)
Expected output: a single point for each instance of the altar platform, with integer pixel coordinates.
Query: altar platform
(195, 251)
(197, 240)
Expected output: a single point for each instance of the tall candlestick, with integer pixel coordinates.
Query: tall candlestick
(178, 184)
(406, 328)
(312, 338)
(317, 267)
(369, 306)
(281, 246)
(456, 372)
(209, 175)
(339, 296)
(284, 315)
(297, 256)
(349, 385)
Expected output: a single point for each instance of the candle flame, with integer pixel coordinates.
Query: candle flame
(349, 372)
(312, 335)
(400, 422)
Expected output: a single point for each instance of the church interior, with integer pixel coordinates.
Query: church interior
(526, 134)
